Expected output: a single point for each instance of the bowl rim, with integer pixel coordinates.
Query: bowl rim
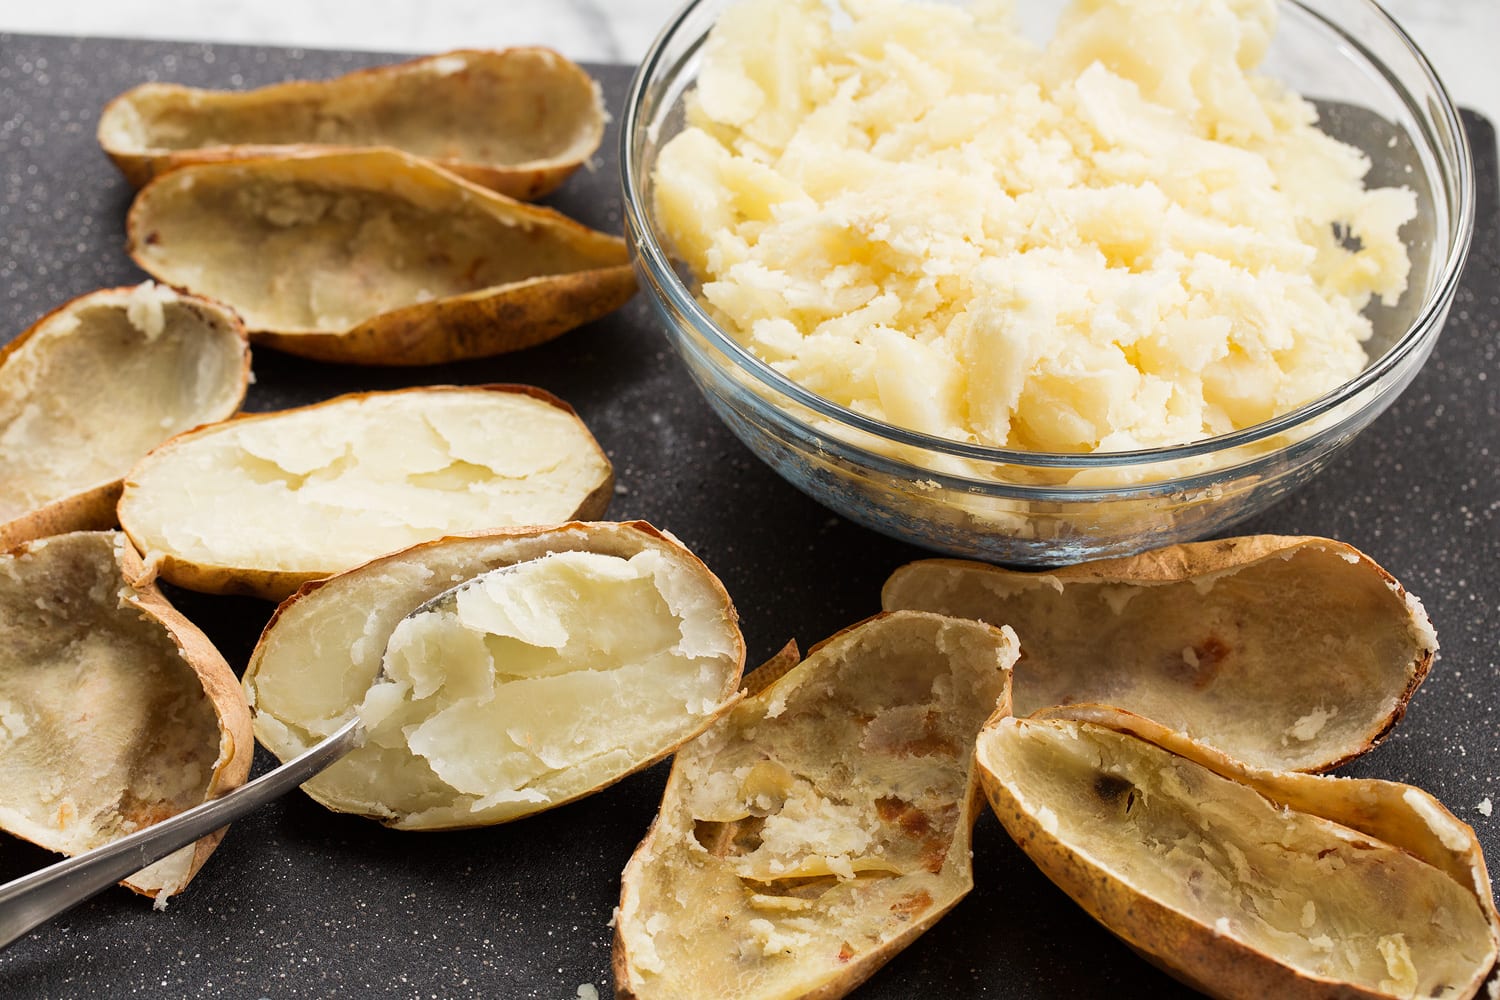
(1442, 113)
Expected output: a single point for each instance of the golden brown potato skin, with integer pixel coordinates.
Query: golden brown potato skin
(529, 275)
(552, 100)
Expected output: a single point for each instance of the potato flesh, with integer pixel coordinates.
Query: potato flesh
(299, 254)
(524, 108)
(96, 387)
(619, 691)
(104, 727)
(820, 822)
(327, 487)
(544, 676)
(1322, 646)
(1316, 896)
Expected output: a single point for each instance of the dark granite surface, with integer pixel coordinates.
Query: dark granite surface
(299, 902)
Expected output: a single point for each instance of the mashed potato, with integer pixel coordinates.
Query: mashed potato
(1124, 239)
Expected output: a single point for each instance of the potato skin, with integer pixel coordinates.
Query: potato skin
(1189, 949)
(524, 181)
(918, 585)
(219, 684)
(493, 320)
(467, 327)
(93, 509)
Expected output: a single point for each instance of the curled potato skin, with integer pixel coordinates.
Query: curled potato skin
(480, 76)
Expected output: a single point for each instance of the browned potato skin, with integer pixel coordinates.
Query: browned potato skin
(220, 686)
(273, 585)
(1214, 964)
(524, 181)
(94, 509)
(478, 324)
(1177, 563)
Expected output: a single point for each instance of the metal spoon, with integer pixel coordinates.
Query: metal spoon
(36, 898)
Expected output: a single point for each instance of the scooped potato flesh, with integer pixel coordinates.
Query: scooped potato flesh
(297, 255)
(1316, 896)
(104, 727)
(1322, 647)
(821, 823)
(327, 487)
(97, 387)
(549, 679)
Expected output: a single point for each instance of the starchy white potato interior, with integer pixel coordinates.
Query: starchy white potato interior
(1295, 660)
(573, 657)
(1316, 896)
(822, 823)
(323, 488)
(104, 725)
(292, 249)
(101, 382)
(517, 107)
(1125, 238)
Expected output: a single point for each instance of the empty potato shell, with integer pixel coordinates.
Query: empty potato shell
(518, 121)
(94, 385)
(1241, 882)
(573, 657)
(375, 257)
(115, 712)
(262, 504)
(820, 826)
(1288, 653)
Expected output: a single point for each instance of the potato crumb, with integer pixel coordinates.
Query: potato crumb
(1485, 806)
(587, 991)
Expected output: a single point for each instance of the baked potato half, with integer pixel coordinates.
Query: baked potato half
(375, 257)
(1242, 882)
(820, 826)
(518, 121)
(573, 656)
(115, 711)
(262, 504)
(1288, 653)
(94, 385)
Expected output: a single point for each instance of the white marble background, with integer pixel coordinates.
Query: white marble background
(1457, 35)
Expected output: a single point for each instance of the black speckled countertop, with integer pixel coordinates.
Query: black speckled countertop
(299, 902)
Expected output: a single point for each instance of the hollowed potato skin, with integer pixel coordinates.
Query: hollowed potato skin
(482, 99)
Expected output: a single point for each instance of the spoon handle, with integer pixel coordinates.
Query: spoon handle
(38, 897)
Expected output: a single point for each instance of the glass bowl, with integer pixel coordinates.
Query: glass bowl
(1374, 89)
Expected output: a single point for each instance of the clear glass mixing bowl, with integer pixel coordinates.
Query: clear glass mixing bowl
(1375, 90)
